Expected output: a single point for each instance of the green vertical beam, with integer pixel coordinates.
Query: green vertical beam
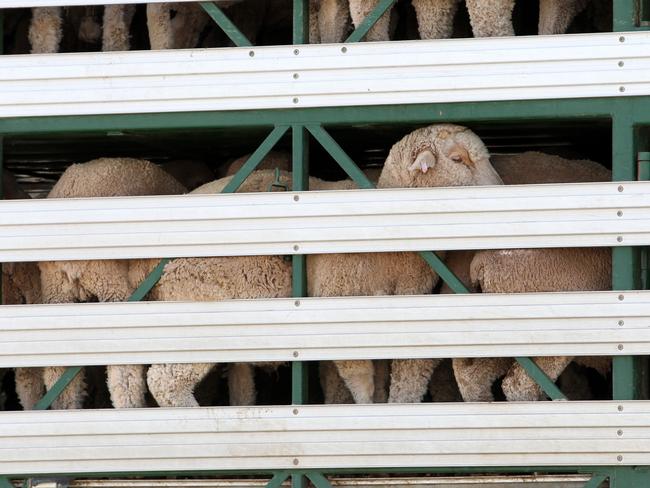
(625, 15)
(226, 25)
(301, 21)
(372, 18)
(300, 175)
(5, 483)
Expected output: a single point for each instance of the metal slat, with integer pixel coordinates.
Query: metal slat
(73, 3)
(285, 223)
(455, 70)
(325, 437)
(544, 324)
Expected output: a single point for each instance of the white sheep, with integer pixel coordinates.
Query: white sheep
(529, 270)
(46, 28)
(438, 155)
(105, 280)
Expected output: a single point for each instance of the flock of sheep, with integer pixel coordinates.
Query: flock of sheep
(434, 156)
(179, 25)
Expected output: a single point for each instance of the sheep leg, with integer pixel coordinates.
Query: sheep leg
(382, 380)
(360, 9)
(476, 376)
(241, 384)
(46, 30)
(359, 377)
(491, 18)
(332, 20)
(334, 389)
(555, 16)
(519, 387)
(159, 23)
(117, 22)
(409, 379)
(29, 386)
(435, 17)
(172, 385)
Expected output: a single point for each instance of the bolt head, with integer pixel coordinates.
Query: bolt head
(620, 188)
(296, 198)
(619, 458)
(344, 49)
(296, 52)
(621, 89)
(620, 408)
(621, 39)
(621, 64)
(621, 322)
(295, 411)
(619, 432)
(620, 347)
(251, 53)
(621, 298)
(619, 239)
(295, 462)
(297, 303)
(296, 247)
(619, 213)
(295, 354)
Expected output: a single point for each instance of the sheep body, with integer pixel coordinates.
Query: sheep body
(105, 280)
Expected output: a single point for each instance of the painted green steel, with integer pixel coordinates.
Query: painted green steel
(644, 14)
(596, 481)
(5, 483)
(319, 480)
(625, 15)
(446, 275)
(301, 22)
(226, 25)
(370, 20)
(534, 371)
(277, 479)
(149, 282)
(256, 158)
(61, 384)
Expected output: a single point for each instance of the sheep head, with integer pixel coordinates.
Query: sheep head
(438, 155)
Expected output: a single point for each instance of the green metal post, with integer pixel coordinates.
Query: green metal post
(222, 20)
(299, 372)
(5, 483)
(625, 15)
(372, 18)
(300, 21)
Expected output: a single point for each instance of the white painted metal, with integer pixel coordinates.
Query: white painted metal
(73, 3)
(481, 325)
(453, 70)
(478, 481)
(563, 215)
(326, 437)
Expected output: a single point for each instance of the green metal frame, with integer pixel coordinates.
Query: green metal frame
(627, 115)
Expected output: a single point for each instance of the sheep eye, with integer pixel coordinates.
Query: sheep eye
(456, 158)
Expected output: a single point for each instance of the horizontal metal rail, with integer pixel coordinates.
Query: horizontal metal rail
(481, 325)
(412, 72)
(497, 481)
(73, 3)
(530, 216)
(325, 437)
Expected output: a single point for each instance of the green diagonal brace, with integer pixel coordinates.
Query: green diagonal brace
(230, 29)
(319, 480)
(372, 18)
(5, 482)
(278, 479)
(545, 383)
(149, 282)
(54, 392)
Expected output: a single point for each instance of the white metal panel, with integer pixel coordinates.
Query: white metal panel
(73, 3)
(326, 436)
(481, 325)
(530, 216)
(452, 70)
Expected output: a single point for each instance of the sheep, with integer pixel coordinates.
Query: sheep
(46, 28)
(190, 173)
(328, 21)
(529, 270)
(105, 280)
(273, 160)
(438, 155)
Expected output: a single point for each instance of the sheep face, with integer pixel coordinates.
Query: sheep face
(439, 155)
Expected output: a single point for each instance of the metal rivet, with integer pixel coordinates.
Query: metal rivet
(295, 412)
(621, 64)
(296, 76)
(619, 432)
(619, 239)
(295, 354)
(621, 298)
(621, 89)
(620, 408)
(621, 39)
(344, 49)
(296, 247)
(296, 198)
(619, 457)
(295, 462)
(297, 303)
(296, 52)
(295, 100)
(620, 188)
(619, 213)
(251, 53)
(621, 323)
(620, 347)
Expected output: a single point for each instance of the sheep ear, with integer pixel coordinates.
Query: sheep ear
(424, 161)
